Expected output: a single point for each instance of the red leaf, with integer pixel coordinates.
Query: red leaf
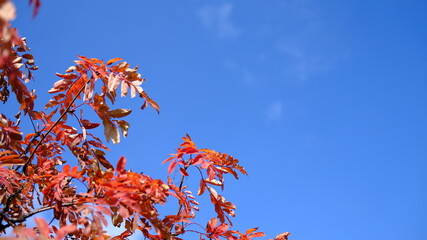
(65, 230)
(123, 211)
(97, 144)
(172, 166)
(104, 210)
(182, 170)
(257, 234)
(42, 226)
(202, 187)
(211, 225)
(121, 165)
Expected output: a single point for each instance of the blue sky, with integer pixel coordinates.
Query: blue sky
(323, 102)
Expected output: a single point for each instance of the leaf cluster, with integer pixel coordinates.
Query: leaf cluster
(83, 189)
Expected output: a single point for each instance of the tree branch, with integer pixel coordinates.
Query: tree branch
(12, 221)
(3, 214)
(54, 125)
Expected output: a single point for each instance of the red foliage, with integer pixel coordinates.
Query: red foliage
(35, 177)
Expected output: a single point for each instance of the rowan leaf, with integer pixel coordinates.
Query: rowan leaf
(113, 60)
(282, 236)
(119, 113)
(42, 226)
(28, 56)
(211, 225)
(88, 125)
(113, 82)
(68, 76)
(183, 172)
(120, 167)
(251, 230)
(124, 126)
(202, 187)
(111, 132)
(257, 234)
(124, 89)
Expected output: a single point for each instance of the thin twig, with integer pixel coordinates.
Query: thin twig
(54, 125)
(181, 183)
(9, 201)
(11, 197)
(12, 221)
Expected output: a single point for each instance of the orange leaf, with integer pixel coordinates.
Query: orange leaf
(66, 169)
(113, 60)
(257, 234)
(251, 230)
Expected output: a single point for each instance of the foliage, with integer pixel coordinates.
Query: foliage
(35, 177)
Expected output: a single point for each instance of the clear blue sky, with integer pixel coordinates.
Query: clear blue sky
(324, 102)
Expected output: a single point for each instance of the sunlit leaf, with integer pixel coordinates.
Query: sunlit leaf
(111, 61)
(119, 113)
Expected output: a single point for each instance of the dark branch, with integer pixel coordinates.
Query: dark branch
(12, 221)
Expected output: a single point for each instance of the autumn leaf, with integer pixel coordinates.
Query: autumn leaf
(88, 124)
(69, 76)
(121, 165)
(282, 236)
(28, 56)
(60, 165)
(119, 113)
(183, 172)
(111, 61)
(42, 226)
(124, 126)
(113, 82)
(111, 132)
